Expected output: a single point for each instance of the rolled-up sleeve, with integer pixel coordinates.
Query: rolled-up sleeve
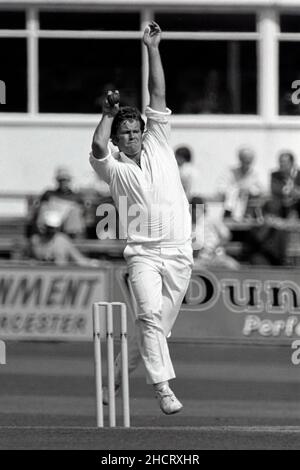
(104, 167)
(158, 123)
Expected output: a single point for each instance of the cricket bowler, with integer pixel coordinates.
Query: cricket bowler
(159, 253)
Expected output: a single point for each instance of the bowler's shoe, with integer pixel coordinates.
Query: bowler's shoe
(168, 402)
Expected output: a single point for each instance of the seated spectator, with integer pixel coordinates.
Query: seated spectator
(285, 187)
(209, 237)
(186, 169)
(49, 244)
(267, 244)
(64, 201)
(240, 187)
(94, 193)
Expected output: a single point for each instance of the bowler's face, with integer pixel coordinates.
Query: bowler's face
(129, 138)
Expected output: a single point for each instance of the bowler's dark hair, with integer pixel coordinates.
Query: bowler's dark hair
(126, 113)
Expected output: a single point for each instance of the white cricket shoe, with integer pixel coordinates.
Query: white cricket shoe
(168, 402)
(105, 395)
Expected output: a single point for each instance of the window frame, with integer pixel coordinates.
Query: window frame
(267, 37)
(288, 120)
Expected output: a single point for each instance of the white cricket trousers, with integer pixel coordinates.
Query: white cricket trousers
(159, 277)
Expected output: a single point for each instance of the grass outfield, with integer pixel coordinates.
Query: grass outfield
(141, 438)
(235, 397)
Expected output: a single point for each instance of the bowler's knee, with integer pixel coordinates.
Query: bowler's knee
(148, 318)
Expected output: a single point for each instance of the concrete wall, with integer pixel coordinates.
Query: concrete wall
(29, 153)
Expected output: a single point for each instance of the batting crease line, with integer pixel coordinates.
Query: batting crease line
(270, 429)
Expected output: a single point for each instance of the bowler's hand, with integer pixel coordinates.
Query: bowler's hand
(152, 35)
(107, 108)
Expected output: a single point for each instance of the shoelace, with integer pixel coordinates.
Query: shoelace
(165, 393)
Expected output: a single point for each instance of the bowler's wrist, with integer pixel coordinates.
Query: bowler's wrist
(108, 114)
(153, 48)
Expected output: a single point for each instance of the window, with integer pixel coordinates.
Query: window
(206, 22)
(290, 23)
(13, 60)
(96, 21)
(289, 68)
(13, 73)
(212, 72)
(210, 77)
(289, 71)
(12, 19)
(209, 60)
(75, 74)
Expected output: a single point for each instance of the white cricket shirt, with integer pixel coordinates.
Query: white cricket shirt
(151, 201)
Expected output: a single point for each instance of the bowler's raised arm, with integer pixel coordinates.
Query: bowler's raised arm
(156, 85)
(102, 133)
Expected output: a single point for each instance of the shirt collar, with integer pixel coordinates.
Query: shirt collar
(126, 159)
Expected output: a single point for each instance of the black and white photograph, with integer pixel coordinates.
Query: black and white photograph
(149, 228)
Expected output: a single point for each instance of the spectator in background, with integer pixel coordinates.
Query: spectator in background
(183, 157)
(63, 200)
(266, 244)
(209, 237)
(51, 245)
(285, 187)
(240, 187)
(94, 193)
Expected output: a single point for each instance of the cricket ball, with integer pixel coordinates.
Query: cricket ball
(113, 98)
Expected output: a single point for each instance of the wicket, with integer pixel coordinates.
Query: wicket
(100, 308)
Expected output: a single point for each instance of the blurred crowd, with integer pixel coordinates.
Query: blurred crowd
(257, 222)
(260, 223)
